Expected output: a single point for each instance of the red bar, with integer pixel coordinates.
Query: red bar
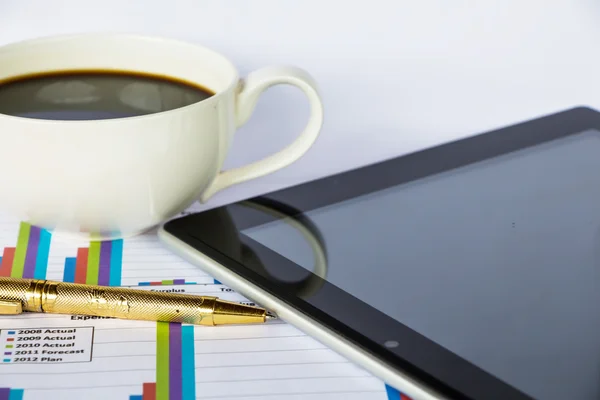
(149, 391)
(404, 397)
(7, 261)
(155, 283)
(81, 265)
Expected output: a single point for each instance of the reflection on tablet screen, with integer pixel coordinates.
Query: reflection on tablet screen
(496, 261)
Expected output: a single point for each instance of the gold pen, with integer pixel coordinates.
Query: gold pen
(33, 295)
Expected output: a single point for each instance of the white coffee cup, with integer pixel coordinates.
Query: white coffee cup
(114, 178)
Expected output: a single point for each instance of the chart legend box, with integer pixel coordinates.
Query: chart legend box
(47, 345)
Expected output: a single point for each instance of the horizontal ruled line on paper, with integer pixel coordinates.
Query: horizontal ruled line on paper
(278, 395)
(226, 352)
(216, 339)
(197, 368)
(207, 382)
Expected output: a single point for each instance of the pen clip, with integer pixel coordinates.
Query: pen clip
(10, 307)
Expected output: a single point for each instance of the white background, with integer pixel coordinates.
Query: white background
(395, 75)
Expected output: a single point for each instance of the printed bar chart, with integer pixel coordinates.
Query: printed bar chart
(393, 394)
(29, 259)
(169, 282)
(100, 264)
(175, 366)
(11, 394)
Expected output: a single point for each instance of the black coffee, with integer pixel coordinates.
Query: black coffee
(91, 95)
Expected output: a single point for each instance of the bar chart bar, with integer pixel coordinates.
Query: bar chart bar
(188, 363)
(116, 263)
(41, 262)
(175, 363)
(18, 267)
(81, 265)
(7, 261)
(69, 272)
(31, 252)
(93, 264)
(149, 391)
(104, 263)
(162, 361)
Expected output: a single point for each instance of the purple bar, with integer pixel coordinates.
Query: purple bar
(175, 364)
(104, 267)
(178, 281)
(4, 393)
(32, 250)
(7, 353)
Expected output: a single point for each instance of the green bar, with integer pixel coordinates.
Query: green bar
(167, 282)
(93, 264)
(21, 251)
(162, 361)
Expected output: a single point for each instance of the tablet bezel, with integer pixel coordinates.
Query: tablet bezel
(423, 360)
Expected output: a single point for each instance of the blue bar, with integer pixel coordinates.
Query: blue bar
(392, 393)
(187, 283)
(188, 370)
(0, 260)
(41, 262)
(15, 394)
(69, 273)
(116, 263)
(217, 282)
(144, 284)
(136, 397)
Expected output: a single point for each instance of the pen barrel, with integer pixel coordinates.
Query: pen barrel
(25, 291)
(124, 303)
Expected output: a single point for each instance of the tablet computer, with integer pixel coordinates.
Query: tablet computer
(470, 270)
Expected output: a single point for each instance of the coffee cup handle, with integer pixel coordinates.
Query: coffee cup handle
(253, 86)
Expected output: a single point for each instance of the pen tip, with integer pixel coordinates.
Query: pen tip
(270, 316)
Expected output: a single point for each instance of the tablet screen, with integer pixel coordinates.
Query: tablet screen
(498, 261)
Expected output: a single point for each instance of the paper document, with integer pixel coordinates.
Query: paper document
(65, 357)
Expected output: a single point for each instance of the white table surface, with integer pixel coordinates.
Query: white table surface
(395, 75)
